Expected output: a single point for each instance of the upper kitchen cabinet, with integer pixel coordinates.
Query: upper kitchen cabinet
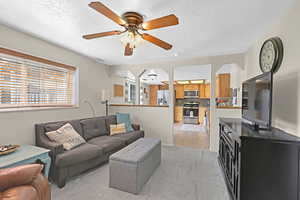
(228, 85)
(202, 90)
(153, 94)
(223, 85)
(191, 90)
(207, 90)
(179, 91)
(192, 87)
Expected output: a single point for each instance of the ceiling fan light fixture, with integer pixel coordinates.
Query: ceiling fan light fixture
(133, 22)
(132, 38)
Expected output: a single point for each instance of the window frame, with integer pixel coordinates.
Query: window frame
(14, 55)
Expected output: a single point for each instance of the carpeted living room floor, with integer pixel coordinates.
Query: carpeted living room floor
(185, 173)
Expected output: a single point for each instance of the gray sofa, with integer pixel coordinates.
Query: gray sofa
(100, 145)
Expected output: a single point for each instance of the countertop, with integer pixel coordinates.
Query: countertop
(139, 105)
(241, 130)
(229, 107)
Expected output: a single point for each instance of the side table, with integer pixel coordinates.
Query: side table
(27, 154)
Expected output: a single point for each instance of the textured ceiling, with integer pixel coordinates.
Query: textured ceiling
(207, 27)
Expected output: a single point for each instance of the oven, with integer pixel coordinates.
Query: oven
(191, 113)
(191, 94)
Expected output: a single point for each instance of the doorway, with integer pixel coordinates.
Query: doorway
(192, 106)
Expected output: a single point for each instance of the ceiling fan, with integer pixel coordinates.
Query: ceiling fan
(133, 23)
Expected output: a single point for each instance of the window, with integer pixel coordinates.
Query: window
(130, 90)
(27, 83)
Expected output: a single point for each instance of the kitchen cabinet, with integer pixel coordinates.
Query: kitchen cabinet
(207, 90)
(153, 94)
(202, 111)
(202, 90)
(178, 114)
(118, 90)
(179, 91)
(164, 87)
(223, 85)
(191, 87)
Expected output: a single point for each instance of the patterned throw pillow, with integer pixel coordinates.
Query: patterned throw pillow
(67, 136)
(117, 129)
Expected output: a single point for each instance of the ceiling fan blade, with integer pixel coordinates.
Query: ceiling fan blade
(156, 41)
(128, 50)
(107, 12)
(169, 20)
(104, 34)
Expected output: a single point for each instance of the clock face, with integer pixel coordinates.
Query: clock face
(268, 57)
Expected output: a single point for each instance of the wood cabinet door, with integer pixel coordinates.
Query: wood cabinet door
(163, 87)
(202, 91)
(118, 90)
(202, 111)
(153, 94)
(178, 113)
(217, 91)
(179, 91)
(191, 87)
(207, 90)
(223, 85)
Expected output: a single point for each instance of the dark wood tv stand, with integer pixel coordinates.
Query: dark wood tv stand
(259, 165)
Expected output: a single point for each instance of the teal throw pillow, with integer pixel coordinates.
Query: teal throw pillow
(124, 118)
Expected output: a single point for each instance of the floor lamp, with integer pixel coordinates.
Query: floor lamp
(105, 100)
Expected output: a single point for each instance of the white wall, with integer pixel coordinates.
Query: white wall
(18, 127)
(286, 96)
(154, 120)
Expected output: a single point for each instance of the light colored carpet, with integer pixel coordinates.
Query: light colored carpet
(184, 174)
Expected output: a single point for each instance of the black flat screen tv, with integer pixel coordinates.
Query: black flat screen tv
(257, 100)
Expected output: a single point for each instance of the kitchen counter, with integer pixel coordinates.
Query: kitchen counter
(229, 107)
(139, 105)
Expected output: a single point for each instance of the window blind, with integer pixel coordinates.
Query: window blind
(25, 83)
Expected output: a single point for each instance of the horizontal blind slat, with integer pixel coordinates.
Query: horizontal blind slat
(25, 83)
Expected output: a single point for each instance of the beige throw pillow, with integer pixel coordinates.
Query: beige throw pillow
(67, 136)
(117, 129)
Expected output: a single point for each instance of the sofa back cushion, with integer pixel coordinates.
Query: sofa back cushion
(53, 126)
(94, 127)
(110, 120)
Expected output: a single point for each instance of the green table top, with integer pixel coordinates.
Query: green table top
(23, 153)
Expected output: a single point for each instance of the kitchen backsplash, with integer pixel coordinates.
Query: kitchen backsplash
(202, 102)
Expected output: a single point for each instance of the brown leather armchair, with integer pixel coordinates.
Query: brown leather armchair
(25, 182)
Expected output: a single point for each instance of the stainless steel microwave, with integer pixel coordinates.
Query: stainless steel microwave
(191, 94)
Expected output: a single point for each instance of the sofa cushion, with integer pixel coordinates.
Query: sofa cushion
(53, 126)
(108, 143)
(67, 136)
(130, 137)
(94, 127)
(124, 118)
(111, 119)
(79, 154)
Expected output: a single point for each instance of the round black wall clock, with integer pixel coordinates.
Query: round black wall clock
(271, 55)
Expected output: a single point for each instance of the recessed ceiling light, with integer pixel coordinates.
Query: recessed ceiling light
(197, 81)
(176, 54)
(183, 82)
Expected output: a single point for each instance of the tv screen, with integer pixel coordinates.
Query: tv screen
(257, 100)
